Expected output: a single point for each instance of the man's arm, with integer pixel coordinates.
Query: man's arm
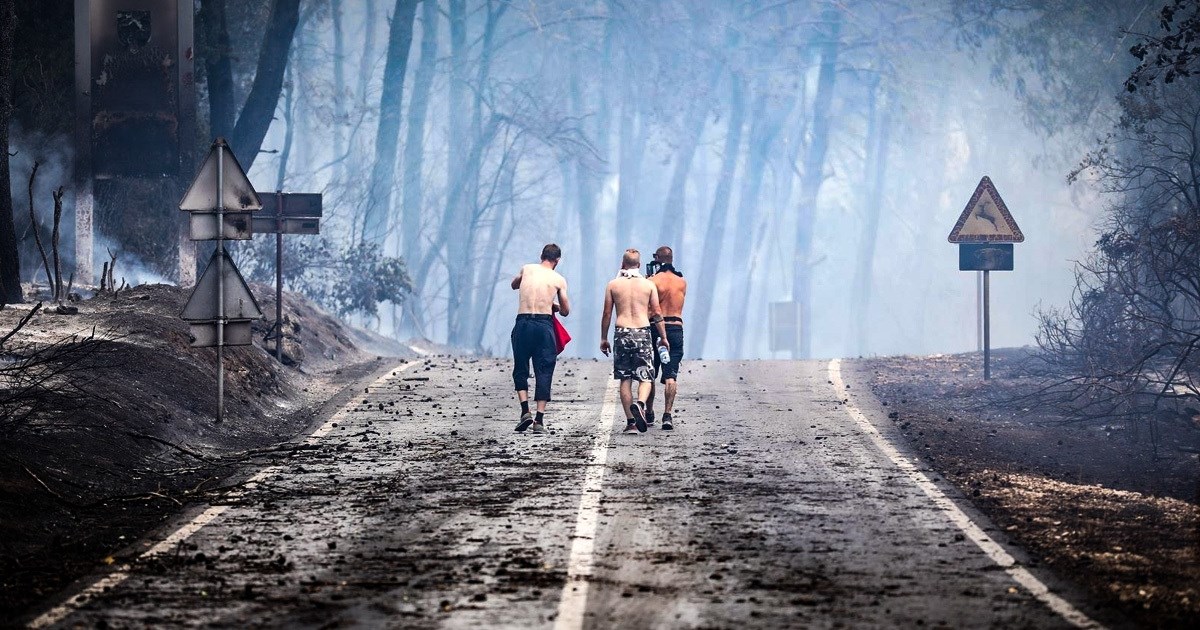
(516, 281)
(656, 317)
(564, 304)
(605, 320)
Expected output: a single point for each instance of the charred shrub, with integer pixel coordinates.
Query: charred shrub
(344, 279)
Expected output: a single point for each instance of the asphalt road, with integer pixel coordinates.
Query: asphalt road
(769, 506)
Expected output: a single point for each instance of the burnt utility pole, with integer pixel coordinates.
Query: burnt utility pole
(985, 233)
(220, 309)
(135, 116)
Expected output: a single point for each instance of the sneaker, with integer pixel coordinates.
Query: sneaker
(631, 429)
(526, 420)
(639, 417)
(649, 417)
(667, 425)
(538, 427)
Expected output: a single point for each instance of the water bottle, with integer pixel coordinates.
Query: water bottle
(664, 355)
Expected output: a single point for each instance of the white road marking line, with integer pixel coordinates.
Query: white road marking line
(573, 602)
(112, 580)
(989, 546)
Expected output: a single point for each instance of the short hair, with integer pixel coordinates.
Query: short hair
(632, 259)
(665, 254)
(551, 252)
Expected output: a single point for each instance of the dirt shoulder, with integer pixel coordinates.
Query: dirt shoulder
(124, 435)
(1101, 505)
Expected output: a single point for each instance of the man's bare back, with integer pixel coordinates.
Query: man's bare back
(539, 286)
(672, 290)
(634, 299)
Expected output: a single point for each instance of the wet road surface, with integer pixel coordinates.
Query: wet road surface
(767, 507)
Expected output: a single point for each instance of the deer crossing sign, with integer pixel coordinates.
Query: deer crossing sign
(986, 219)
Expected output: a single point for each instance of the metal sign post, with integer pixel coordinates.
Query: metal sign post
(285, 213)
(985, 232)
(221, 185)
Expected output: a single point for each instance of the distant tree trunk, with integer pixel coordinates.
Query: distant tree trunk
(256, 115)
(633, 133)
(387, 138)
(675, 208)
(414, 154)
(414, 144)
(476, 289)
(10, 262)
(218, 68)
(289, 120)
(878, 139)
(340, 90)
(585, 290)
(814, 176)
(710, 263)
(500, 234)
(766, 121)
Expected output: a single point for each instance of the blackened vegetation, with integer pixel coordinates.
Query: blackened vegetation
(1127, 347)
(52, 380)
(1172, 54)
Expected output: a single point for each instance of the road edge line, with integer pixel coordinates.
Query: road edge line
(193, 525)
(572, 604)
(973, 531)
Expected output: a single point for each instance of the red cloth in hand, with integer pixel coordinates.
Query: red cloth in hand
(561, 336)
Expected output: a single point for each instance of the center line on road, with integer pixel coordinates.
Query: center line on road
(573, 602)
(994, 550)
(185, 531)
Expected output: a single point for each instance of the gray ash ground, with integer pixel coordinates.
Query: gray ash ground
(1094, 501)
(765, 508)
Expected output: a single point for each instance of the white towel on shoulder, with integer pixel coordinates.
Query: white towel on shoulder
(630, 273)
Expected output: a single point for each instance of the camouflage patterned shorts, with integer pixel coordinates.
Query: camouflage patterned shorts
(633, 355)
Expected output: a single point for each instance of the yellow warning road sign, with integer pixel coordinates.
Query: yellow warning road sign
(986, 219)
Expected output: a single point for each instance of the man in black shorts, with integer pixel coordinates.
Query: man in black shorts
(672, 289)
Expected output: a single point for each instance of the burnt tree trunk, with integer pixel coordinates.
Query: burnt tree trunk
(218, 68)
(10, 262)
(387, 137)
(259, 109)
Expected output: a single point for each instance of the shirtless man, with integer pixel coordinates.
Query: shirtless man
(672, 289)
(533, 334)
(635, 299)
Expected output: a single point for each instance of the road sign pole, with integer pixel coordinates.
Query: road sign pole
(220, 278)
(279, 275)
(987, 323)
(979, 311)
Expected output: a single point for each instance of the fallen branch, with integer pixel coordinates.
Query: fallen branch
(41, 483)
(135, 434)
(21, 324)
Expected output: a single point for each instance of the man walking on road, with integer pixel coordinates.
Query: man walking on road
(533, 335)
(636, 301)
(672, 289)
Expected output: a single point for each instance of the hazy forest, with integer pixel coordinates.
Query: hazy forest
(801, 150)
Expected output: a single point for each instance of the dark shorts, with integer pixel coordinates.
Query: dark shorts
(633, 355)
(675, 338)
(533, 342)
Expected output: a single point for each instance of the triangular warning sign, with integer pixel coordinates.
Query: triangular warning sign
(986, 219)
(238, 194)
(239, 302)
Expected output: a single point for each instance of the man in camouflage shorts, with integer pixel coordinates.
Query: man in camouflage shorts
(635, 300)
